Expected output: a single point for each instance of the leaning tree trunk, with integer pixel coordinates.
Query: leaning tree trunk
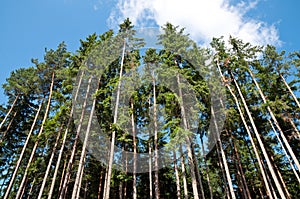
(285, 152)
(249, 134)
(10, 110)
(282, 195)
(22, 152)
(185, 189)
(113, 135)
(224, 161)
(8, 127)
(276, 122)
(64, 139)
(76, 187)
(39, 135)
(188, 144)
(70, 163)
(290, 90)
(176, 175)
(49, 164)
(207, 170)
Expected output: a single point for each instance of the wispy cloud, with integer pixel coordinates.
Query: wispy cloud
(203, 19)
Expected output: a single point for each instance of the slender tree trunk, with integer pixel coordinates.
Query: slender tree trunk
(185, 189)
(22, 152)
(100, 185)
(282, 195)
(134, 150)
(61, 179)
(275, 121)
(207, 170)
(285, 152)
(83, 152)
(113, 135)
(290, 90)
(49, 163)
(156, 178)
(252, 143)
(150, 170)
(240, 168)
(176, 175)
(31, 188)
(39, 134)
(293, 125)
(281, 179)
(80, 180)
(8, 127)
(64, 139)
(9, 111)
(197, 172)
(188, 144)
(70, 163)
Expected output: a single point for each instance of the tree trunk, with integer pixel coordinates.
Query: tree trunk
(70, 163)
(49, 163)
(22, 152)
(8, 127)
(207, 170)
(64, 139)
(83, 152)
(39, 134)
(176, 175)
(290, 90)
(240, 168)
(259, 139)
(281, 179)
(249, 134)
(276, 122)
(188, 144)
(9, 111)
(185, 190)
(113, 135)
(100, 185)
(134, 150)
(285, 152)
(156, 178)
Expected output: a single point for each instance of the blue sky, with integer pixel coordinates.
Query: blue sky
(28, 27)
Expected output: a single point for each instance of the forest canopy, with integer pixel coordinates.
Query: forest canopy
(117, 119)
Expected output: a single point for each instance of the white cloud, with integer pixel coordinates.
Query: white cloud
(203, 19)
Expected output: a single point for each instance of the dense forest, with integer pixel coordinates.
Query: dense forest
(118, 120)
